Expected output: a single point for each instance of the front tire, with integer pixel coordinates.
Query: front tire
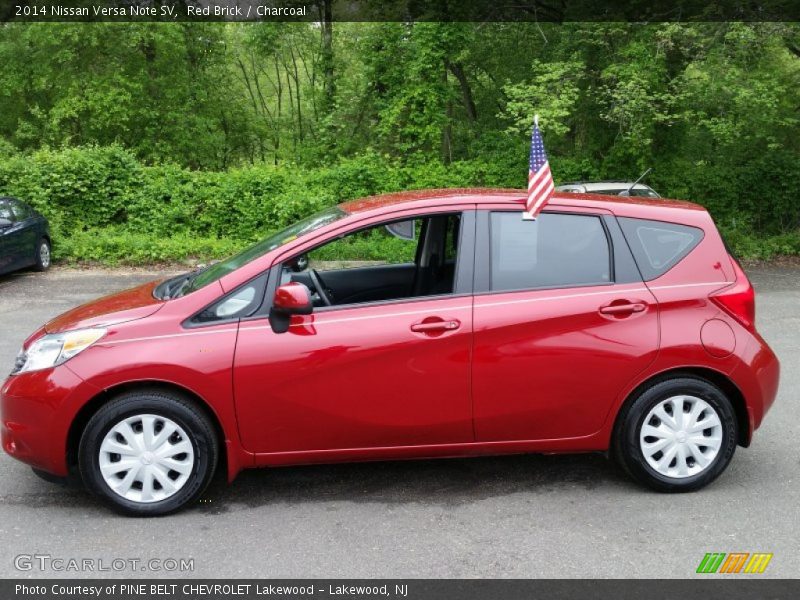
(43, 255)
(677, 435)
(148, 452)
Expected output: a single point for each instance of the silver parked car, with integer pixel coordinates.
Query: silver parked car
(613, 188)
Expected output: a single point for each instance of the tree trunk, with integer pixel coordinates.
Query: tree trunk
(329, 83)
(457, 69)
(279, 92)
(296, 76)
(447, 130)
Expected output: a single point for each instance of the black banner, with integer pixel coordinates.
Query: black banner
(399, 10)
(413, 589)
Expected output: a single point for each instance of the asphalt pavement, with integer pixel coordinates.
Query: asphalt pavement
(522, 516)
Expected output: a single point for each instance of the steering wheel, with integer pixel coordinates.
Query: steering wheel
(319, 287)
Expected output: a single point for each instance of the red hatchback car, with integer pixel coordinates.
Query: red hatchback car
(607, 324)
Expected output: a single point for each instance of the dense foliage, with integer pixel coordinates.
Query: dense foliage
(105, 205)
(146, 141)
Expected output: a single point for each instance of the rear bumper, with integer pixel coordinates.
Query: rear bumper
(757, 377)
(36, 410)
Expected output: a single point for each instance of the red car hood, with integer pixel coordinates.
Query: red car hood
(135, 303)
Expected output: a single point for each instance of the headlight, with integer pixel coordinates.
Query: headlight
(55, 349)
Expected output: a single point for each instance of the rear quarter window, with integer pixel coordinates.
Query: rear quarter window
(658, 246)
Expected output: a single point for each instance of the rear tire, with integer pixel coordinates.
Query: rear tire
(676, 435)
(43, 255)
(148, 452)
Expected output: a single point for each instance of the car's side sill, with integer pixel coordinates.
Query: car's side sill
(591, 443)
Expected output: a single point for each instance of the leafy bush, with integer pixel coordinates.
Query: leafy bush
(105, 206)
(748, 245)
(114, 246)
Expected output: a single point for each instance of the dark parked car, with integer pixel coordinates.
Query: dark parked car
(24, 237)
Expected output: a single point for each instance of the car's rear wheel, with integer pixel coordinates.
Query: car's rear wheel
(43, 255)
(676, 435)
(148, 452)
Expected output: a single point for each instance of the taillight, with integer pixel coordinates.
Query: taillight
(738, 299)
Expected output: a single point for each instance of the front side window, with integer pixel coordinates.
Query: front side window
(555, 250)
(240, 303)
(189, 282)
(382, 245)
(390, 261)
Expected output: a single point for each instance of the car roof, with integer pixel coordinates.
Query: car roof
(499, 195)
(394, 198)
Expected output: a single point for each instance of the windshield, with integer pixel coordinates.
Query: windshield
(645, 192)
(197, 279)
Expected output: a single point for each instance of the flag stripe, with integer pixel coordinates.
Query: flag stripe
(540, 191)
(543, 183)
(542, 199)
(543, 173)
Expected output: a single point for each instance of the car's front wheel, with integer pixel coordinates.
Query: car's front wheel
(676, 435)
(43, 255)
(148, 452)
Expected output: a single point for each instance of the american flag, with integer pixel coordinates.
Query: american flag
(540, 180)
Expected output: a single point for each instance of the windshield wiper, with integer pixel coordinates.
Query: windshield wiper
(184, 283)
(170, 288)
(180, 286)
(165, 290)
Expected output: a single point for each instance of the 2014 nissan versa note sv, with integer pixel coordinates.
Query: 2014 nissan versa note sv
(607, 324)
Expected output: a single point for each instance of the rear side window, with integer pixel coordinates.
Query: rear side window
(555, 250)
(657, 245)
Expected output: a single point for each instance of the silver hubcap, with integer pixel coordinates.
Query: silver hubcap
(681, 436)
(44, 255)
(146, 458)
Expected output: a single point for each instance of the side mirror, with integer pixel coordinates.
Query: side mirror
(5, 223)
(405, 230)
(290, 299)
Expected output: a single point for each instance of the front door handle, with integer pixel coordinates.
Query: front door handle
(622, 309)
(433, 326)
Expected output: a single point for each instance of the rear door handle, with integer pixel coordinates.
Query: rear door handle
(621, 309)
(429, 326)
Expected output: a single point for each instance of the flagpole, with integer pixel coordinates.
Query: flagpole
(540, 179)
(526, 216)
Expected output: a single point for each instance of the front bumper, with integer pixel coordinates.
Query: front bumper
(36, 411)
